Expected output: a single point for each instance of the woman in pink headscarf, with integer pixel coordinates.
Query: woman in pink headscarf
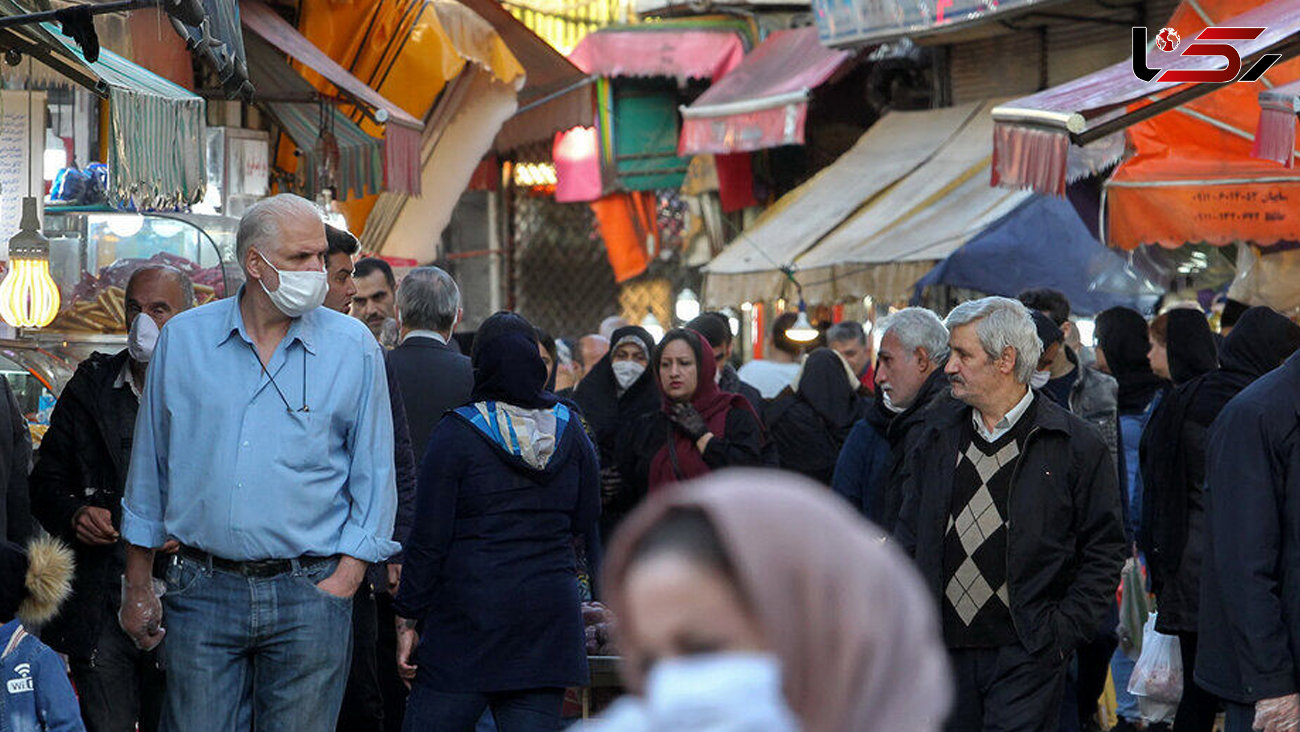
(760, 600)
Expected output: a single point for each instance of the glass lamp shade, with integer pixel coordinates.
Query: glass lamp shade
(28, 296)
(802, 331)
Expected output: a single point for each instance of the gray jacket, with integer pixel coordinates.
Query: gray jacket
(1094, 398)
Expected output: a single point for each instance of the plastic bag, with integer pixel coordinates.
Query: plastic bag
(1133, 609)
(1157, 679)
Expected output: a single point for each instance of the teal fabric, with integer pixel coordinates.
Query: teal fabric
(646, 128)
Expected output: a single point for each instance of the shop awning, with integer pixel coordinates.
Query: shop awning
(763, 102)
(1275, 133)
(895, 146)
(659, 49)
(557, 95)
(1033, 135)
(289, 99)
(401, 130)
(157, 157)
(884, 248)
(858, 22)
(1009, 257)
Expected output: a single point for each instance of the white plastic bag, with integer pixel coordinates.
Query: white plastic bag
(1157, 679)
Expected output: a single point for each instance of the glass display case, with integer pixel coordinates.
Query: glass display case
(93, 254)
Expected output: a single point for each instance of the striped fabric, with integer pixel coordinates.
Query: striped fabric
(157, 159)
(361, 157)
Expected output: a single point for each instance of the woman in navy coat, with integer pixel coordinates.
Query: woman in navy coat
(506, 483)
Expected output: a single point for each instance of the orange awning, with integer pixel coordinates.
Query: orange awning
(401, 130)
(1192, 177)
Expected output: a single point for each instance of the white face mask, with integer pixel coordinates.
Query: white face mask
(724, 692)
(142, 338)
(627, 372)
(889, 403)
(1040, 379)
(299, 292)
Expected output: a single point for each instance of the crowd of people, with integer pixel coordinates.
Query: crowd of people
(304, 507)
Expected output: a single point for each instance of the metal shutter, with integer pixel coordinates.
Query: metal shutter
(1006, 65)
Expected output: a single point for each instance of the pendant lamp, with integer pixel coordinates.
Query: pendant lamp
(28, 296)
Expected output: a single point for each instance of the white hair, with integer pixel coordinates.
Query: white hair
(1001, 322)
(263, 222)
(918, 328)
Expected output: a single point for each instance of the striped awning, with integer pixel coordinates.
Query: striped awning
(289, 99)
(157, 154)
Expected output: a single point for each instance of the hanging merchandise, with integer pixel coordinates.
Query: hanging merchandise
(326, 151)
(627, 226)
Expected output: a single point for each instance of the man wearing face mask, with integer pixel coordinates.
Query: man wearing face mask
(76, 492)
(264, 446)
(910, 383)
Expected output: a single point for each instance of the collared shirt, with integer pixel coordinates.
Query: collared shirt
(126, 377)
(425, 334)
(220, 464)
(1005, 424)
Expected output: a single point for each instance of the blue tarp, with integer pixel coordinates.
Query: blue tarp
(1044, 243)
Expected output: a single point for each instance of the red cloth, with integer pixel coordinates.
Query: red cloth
(735, 181)
(712, 403)
(625, 224)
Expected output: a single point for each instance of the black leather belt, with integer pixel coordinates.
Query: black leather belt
(258, 568)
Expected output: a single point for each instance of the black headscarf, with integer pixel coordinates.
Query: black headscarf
(598, 398)
(1123, 338)
(507, 365)
(824, 386)
(1190, 345)
(1259, 342)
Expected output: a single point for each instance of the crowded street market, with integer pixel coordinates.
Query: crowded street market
(649, 365)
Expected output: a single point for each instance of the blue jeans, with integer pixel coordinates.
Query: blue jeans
(532, 710)
(1121, 670)
(267, 654)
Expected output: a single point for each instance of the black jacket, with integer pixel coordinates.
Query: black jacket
(1173, 533)
(434, 378)
(742, 446)
(730, 381)
(810, 420)
(1065, 544)
(83, 462)
(874, 488)
(1249, 646)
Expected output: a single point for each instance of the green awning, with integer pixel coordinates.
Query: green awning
(158, 132)
(646, 129)
(157, 154)
(288, 97)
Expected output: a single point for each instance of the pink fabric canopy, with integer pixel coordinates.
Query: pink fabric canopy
(1032, 135)
(763, 102)
(681, 54)
(1275, 135)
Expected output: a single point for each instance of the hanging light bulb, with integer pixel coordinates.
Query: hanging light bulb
(688, 305)
(28, 296)
(802, 331)
(652, 325)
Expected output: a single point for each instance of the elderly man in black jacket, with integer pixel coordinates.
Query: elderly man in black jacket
(1013, 514)
(910, 381)
(76, 491)
(1249, 646)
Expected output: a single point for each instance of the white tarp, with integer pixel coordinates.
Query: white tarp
(896, 146)
(922, 219)
(406, 226)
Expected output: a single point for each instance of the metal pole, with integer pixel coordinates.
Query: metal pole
(48, 16)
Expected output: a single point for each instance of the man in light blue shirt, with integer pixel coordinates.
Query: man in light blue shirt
(264, 446)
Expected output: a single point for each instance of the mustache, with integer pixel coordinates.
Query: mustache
(955, 379)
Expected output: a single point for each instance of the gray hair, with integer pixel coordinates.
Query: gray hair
(849, 330)
(182, 279)
(918, 328)
(428, 299)
(263, 222)
(1002, 322)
